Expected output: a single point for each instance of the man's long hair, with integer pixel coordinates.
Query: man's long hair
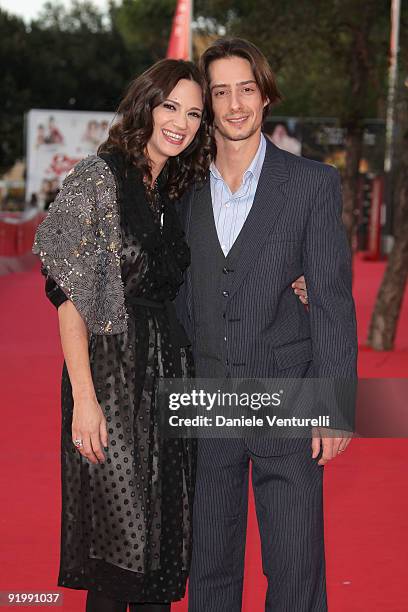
(133, 128)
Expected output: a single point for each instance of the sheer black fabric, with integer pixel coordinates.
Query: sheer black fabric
(126, 524)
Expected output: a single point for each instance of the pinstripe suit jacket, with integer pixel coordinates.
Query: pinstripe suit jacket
(248, 322)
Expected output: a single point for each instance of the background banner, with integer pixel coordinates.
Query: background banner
(56, 141)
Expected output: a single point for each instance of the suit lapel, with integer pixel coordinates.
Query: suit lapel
(268, 204)
(202, 226)
(200, 231)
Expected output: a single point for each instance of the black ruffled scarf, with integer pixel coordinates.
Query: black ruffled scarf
(136, 214)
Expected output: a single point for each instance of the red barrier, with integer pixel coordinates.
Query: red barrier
(17, 237)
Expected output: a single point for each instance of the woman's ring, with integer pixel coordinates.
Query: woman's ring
(78, 443)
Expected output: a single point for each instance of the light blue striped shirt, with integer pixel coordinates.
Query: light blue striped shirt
(231, 210)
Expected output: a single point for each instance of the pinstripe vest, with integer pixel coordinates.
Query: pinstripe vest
(211, 277)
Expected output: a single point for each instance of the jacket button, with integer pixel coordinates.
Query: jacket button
(226, 270)
(225, 294)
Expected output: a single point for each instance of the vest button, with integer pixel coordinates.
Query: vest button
(225, 270)
(225, 294)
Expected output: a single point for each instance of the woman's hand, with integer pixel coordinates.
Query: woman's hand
(89, 432)
(89, 425)
(299, 287)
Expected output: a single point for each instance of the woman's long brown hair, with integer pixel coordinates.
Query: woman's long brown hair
(134, 126)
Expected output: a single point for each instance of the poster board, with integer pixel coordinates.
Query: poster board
(56, 141)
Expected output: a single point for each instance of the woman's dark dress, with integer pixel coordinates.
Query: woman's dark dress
(126, 524)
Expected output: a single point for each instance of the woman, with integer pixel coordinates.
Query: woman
(114, 256)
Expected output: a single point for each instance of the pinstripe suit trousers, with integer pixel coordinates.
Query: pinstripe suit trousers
(289, 508)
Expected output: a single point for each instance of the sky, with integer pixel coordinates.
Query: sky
(28, 9)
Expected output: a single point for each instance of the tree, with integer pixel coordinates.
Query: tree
(360, 41)
(14, 89)
(80, 60)
(387, 308)
(146, 26)
(384, 321)
(68, 58)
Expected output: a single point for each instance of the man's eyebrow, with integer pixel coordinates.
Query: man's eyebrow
(251, 81)
(218, 85)
(178, 104)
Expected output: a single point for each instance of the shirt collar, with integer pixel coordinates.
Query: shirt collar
(254, 168)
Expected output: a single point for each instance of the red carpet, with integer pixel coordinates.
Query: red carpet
(366, 496)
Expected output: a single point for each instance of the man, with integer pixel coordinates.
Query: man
(263, 218)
